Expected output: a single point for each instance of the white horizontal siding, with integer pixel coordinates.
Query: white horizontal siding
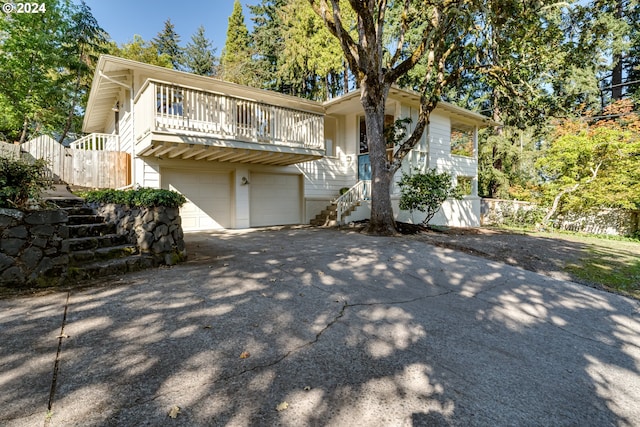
(325, 177)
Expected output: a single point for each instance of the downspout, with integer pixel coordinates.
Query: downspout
(133, 123)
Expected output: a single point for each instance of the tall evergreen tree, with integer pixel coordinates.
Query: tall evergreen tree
(199, 57)
(83, 43)
(168, 43)
(268, 44)
(236, 56)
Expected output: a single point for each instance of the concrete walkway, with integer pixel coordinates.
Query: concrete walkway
(340, 328)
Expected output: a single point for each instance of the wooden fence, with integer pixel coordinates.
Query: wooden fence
(97, 169)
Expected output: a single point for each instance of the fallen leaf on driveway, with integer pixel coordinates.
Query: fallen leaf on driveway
(307, 388)
(282, 406)
(173, 413)
(226, 264)
(244, 355)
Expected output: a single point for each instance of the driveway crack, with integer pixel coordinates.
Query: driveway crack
(56, 365)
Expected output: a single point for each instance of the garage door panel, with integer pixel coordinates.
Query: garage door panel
(208, 197)
(275, 199)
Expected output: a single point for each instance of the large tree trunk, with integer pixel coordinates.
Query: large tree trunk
(373, 99)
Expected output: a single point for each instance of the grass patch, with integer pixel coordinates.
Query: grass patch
(612, 263)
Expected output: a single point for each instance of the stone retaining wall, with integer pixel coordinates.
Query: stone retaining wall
(34, 250)
(497, 211)
(604, 221)
(34, 246)
(157, 231)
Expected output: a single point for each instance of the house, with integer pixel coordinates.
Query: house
(246, 157)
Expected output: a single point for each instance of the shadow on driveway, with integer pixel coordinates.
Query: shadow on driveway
(347, 329)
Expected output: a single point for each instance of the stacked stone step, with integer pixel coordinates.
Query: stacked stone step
(95, 249)
(329, 216)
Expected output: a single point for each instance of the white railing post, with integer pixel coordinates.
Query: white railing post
(360, 191)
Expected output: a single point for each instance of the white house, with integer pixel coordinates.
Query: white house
(246, 157)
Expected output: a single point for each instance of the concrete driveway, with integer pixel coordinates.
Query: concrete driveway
(332, 328)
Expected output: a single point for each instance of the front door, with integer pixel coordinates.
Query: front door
(364, 167)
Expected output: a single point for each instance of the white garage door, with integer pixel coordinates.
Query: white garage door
(208, 197)
(275, 199)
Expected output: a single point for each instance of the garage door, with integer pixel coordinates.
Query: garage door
(208, 197)
(275, 199)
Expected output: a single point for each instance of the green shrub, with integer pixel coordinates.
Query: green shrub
(142, 197)
(21, 181)
(426, 192)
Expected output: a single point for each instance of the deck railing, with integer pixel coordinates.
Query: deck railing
(360, 191)
(179, 109)
(97, 142)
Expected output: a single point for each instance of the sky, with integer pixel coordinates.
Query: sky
(124, 18)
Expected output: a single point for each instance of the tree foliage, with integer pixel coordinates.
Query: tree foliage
(142, 51)
(167, 42)
(199, 56)
(235, 61)
(594, 163)
(46, 67)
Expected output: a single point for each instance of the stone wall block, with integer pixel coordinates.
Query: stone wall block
(11, 247)
(46, 230)
(14, 214)
(63, 232)
(40, 242)
(31, 257)
(19, 232)
(46, 217)
(163, 244)
(147, 216)
(13, 276)
(60, 260)
(161, 230)
(6, 262)
(146, 241)
(6, 221)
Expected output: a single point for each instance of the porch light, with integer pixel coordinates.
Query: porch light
(244, 181)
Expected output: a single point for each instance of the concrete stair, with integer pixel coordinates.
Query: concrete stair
(95, 250)
(329, 217)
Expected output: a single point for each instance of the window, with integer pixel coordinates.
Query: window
(364, 144)
(462, 140)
